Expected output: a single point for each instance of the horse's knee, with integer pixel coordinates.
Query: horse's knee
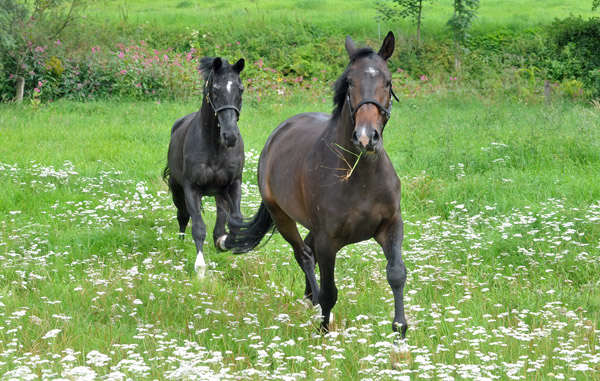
(396, 274)
(328, 297)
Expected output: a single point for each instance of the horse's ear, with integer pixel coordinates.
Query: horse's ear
(387, 48)
(350, 47)
(239, 66)
(217, 63)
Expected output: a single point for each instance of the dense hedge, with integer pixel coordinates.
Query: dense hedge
(150, 63)
(574, 46)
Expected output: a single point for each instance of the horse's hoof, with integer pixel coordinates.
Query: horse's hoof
(400, 355)
(307, 302)
(200, 265)
(221, 243)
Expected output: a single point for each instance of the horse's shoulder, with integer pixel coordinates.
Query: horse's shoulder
(183, 121)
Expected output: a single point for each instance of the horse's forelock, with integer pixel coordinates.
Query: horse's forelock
(206, 65)
(341, 84)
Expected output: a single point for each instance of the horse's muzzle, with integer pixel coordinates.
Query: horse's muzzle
(229, 139)
(367, 140)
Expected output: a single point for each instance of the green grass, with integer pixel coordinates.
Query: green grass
(347, 17)
(500, 200)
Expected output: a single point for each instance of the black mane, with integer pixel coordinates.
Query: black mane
(341, 84)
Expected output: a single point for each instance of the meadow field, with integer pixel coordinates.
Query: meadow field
(502, 209)
(353, 16)
(501, 203)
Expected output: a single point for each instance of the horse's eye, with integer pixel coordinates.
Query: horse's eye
(388, 84)
(350, 83)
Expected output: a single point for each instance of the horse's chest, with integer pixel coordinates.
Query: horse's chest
(212, 175)
(356, 220)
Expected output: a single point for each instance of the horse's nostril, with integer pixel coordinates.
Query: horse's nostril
(375, 138)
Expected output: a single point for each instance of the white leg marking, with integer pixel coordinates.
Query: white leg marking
(200, 265)
(221, 242)
(401, 347)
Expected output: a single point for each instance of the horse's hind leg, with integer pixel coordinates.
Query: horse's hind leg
(183, 216)
(310, 242)
(302, 252)
(219, 230)
(228, 208)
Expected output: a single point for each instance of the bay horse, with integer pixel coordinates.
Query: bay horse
(206, 155)
(331, 174)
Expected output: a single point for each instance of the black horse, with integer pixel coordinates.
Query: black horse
(206, 155)
(331, 174)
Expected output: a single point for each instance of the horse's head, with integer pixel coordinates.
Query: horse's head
(368, 94)
(223, 92)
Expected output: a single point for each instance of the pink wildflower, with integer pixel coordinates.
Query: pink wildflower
(424, 78)
(121, 55)
(123, 72)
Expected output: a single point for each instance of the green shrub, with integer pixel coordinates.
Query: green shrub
(574, 46)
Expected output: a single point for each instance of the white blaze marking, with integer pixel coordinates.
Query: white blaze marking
(229, 86)
(372, 71)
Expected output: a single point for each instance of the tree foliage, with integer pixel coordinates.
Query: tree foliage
(402, 9)
(30, 26)
(465, 11)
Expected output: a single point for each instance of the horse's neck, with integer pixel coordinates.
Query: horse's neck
(339, 132)
(208, 122)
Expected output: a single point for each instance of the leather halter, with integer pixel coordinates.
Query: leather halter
(215, 109)
(386, 111)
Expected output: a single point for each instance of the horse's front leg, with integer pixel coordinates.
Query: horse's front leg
(194, 205)
(390, 238)
(328, 293)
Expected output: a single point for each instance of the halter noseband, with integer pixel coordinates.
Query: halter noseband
(386, 111)
(215, 109)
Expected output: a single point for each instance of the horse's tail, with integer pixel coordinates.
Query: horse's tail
(246, 235)
(167, 175)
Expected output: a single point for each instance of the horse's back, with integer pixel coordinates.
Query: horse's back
(183, 121)
(175, 153)
(282, 162)
(296, 133)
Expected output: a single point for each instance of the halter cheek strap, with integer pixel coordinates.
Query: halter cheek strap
(387, 111)
(215, 109)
